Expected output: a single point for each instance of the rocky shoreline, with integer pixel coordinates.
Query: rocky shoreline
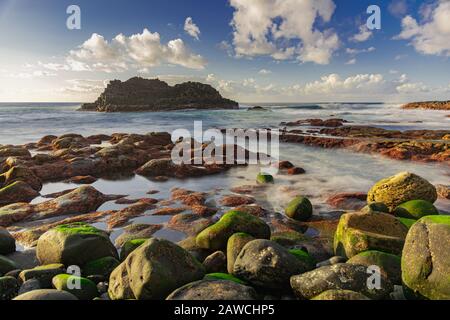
(428, 105)
(237, 248)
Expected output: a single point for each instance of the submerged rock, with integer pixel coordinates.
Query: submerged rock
(426, 258)
(338, 277)
(214, 290)
(153, 271)
(74, 244)
(401, 188)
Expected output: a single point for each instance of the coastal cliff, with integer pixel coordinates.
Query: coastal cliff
(430, 105)
(145, 95)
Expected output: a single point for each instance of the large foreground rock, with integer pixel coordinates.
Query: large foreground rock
(46, 294)
(213, 290)
(363, 231)
(338, 277)
(216, 236)
(153, 271)
(401, 188)
(266, 264)
(426, 258)
(74, 244)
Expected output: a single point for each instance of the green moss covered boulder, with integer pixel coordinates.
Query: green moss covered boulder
(426, 258)
(129, 246)
(82, 288)
(358, 232)
(299, 209)
(101, 267)
(216, 236)
(407, 222)
(401, 188)
(266, 264)
(390, 264)
(44, 274)
(234, 246)
(264, 178)
(74, 244)
(304, 257)
(416, 209)
(153, 271)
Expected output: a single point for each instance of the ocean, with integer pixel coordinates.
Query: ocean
(328, 171)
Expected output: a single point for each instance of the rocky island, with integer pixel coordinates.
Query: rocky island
(146, 95)
(429, 105)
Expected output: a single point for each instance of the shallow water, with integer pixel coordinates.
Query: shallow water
(328, 171)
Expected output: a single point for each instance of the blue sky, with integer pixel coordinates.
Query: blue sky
(250, 50)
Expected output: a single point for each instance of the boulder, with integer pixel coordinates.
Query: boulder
(46, 294)
(82, 288)
(18, 191)
(44, 274)
(74, 244)
(137, 231)
(339, 277)
(375, 207)
(401, 188)
(266, 264)
(7, 265)
(416, 209)
(129, 246)
(336, 295)
(216, 236)
(426, 258)
(214, 290)
(216, 263)
(7, 242)
(29, 285)
(299, 209)
(389, 264)
(223, 276)
(443, 191)
(234, 246)
(101, 267)
(9, 288)
(23, 174)
(264, 178)
(154, 270)
(358, 232)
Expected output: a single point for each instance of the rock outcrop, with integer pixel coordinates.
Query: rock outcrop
(430, 105)
(138, 95)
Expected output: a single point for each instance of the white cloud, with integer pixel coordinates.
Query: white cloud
(264, 72)
(191, 28)
(359, 51)
(364, 34)
(284, 29)
(84, 86)
(32, 74)
(398, 8)
(351, 61)
(430, 37)
(142, 50)
(411, 88)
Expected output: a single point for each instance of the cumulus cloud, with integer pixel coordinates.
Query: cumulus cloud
(284, 29)
(364, 34)
(142, 50)
(430, 36)
(355, 52)
(264, 72)
(191, 28)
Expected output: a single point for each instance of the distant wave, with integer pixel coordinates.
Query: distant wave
(305, 107)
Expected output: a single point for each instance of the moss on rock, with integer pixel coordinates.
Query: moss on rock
(82, 288)
(101, 267)
(299, 209)
(216, 236)
(224, 276)
(416, 209)
(264, 178)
